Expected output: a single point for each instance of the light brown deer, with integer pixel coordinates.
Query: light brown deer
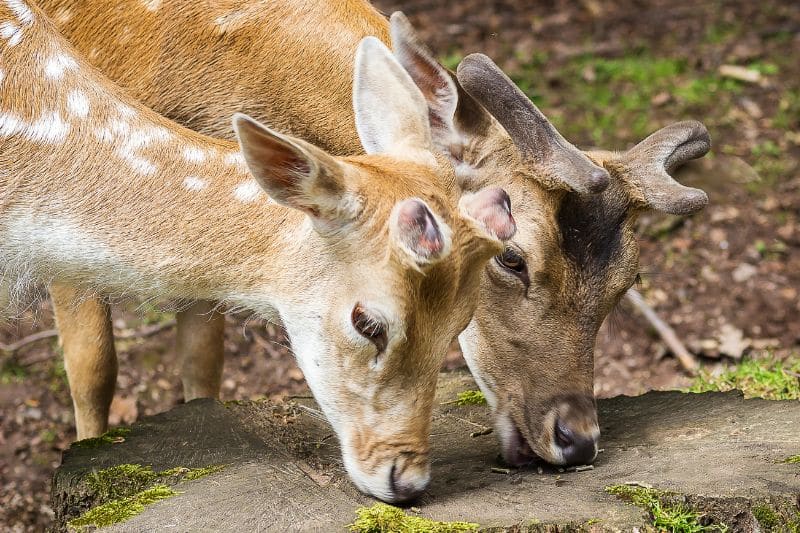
(372, 262)
(530, 345)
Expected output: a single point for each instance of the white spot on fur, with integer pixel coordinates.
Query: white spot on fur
(21, 11)
(235, 159)
(247, 192)
(58, 64)
(139, 164)
(78, 103)
(49, 128)
(194, 155)
(11, 33)
(194, 184)
(126, 111)
(152, 5)
(2, 75)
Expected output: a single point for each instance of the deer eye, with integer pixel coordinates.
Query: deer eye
(512, 261)
(369, 327)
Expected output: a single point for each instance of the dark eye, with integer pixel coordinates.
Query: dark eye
(371, 328)
(512, 261)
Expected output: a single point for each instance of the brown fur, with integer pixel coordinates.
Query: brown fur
(97, 202)
(528, 344)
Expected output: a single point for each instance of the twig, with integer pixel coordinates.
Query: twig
(30, 339)
(147, 331)
(667, 334)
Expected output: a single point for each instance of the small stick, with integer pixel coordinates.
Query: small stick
(498, 470)
(30, 339)
(667, 334)
(147, 331)
(480, 433)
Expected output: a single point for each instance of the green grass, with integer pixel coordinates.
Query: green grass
(792, 460)
(675, 518)
(756, 378)
(383, 518)
(117, 511)
(469, 397)
(612, 98)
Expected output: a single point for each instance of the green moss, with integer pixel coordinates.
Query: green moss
(756, 378)
(120, 481)
(383, 518)
(470, 397)
(190, 474)
(766, 516)
(117, 511)
(109, 437)
(792, 459)
(665, 515)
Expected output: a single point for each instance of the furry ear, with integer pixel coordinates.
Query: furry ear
(293, 172)
(391, 114)
(491, 209)
(432, 79)
(419, 233)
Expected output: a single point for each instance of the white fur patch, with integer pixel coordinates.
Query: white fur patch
(58, 64)
(235, 159)
(247, 192)
(21, 11)
(152, 5)
(194, 184)
(194, 155)
(49, 128)
(78, 103)
(126, 111)
(11, 33)
(2, 75)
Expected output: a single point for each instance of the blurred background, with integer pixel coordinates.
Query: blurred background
(607, 74)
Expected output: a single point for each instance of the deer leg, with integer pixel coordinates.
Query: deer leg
(87, 338)
(200, 347)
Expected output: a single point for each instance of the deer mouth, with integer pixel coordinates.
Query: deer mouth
(516, 450)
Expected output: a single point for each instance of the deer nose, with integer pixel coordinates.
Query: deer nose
(406, 481)
(576, 448)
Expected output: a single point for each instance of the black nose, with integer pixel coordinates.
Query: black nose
(402, 491)
(575, 448)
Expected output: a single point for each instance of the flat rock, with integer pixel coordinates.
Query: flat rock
(283, 470)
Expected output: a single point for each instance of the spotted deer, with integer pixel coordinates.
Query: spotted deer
(372, 262)
(531, 343)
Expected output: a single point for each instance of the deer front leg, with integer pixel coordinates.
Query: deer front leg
(200, 347)
(87, 338)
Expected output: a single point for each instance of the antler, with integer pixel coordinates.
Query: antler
(530, 130)
(648, 167)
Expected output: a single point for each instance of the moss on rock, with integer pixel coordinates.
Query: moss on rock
(119, 510)
(383, 518)
(111, 436)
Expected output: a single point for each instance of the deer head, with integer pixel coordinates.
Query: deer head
(530, 345)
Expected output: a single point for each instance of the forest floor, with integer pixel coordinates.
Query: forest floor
(607, 74)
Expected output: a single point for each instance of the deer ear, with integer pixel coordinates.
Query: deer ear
(647, 167)
(391, 114)
(419, 233)
(433, 80)
(293, 172)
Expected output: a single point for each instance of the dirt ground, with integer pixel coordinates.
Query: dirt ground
(727, 279)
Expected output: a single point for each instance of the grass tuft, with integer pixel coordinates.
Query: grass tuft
(756, 378)
(383, 518)
(470, 397)
(792, 460)
(672, 517)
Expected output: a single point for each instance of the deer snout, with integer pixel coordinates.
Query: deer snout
(389, 474)
(575, 431)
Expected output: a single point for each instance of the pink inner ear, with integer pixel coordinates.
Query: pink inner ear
(419, 230)
(492, 208)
